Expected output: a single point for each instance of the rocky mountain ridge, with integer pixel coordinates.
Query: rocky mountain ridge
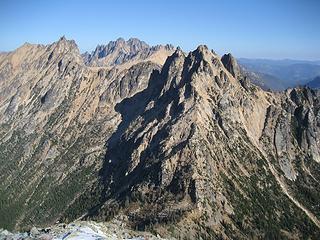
(191, 148)
(315, 83)
(121, 51)
(279, 75)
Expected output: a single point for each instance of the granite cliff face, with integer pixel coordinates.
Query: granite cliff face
(189, 149)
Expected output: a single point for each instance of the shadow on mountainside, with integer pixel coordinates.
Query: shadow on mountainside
(116, 182)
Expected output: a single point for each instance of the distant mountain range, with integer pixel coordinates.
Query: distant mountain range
(132, 51)
(281, 74)
(315, 83)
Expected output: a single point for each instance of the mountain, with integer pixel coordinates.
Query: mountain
(273, 62)
(56, 115)
(189, 149)
(121, 51)
(265, 81)
(289, 73)
(315, 83)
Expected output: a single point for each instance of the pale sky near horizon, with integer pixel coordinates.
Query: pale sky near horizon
(274, 29)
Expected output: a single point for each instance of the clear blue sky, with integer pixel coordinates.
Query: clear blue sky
(247, 28)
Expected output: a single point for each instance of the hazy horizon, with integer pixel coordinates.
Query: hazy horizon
(247, 29)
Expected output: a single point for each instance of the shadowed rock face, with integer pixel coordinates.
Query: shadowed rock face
(230, 63)
(190, 148)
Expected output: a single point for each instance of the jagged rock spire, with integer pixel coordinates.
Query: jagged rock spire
(230, 63)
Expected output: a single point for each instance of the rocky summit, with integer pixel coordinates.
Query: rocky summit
(131, 51)
(182, 145)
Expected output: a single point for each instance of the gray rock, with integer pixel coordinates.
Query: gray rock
(34, 232)
(230, 63)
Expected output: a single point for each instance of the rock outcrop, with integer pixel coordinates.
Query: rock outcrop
(230, 63)
(191, 149)
(82, 230)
